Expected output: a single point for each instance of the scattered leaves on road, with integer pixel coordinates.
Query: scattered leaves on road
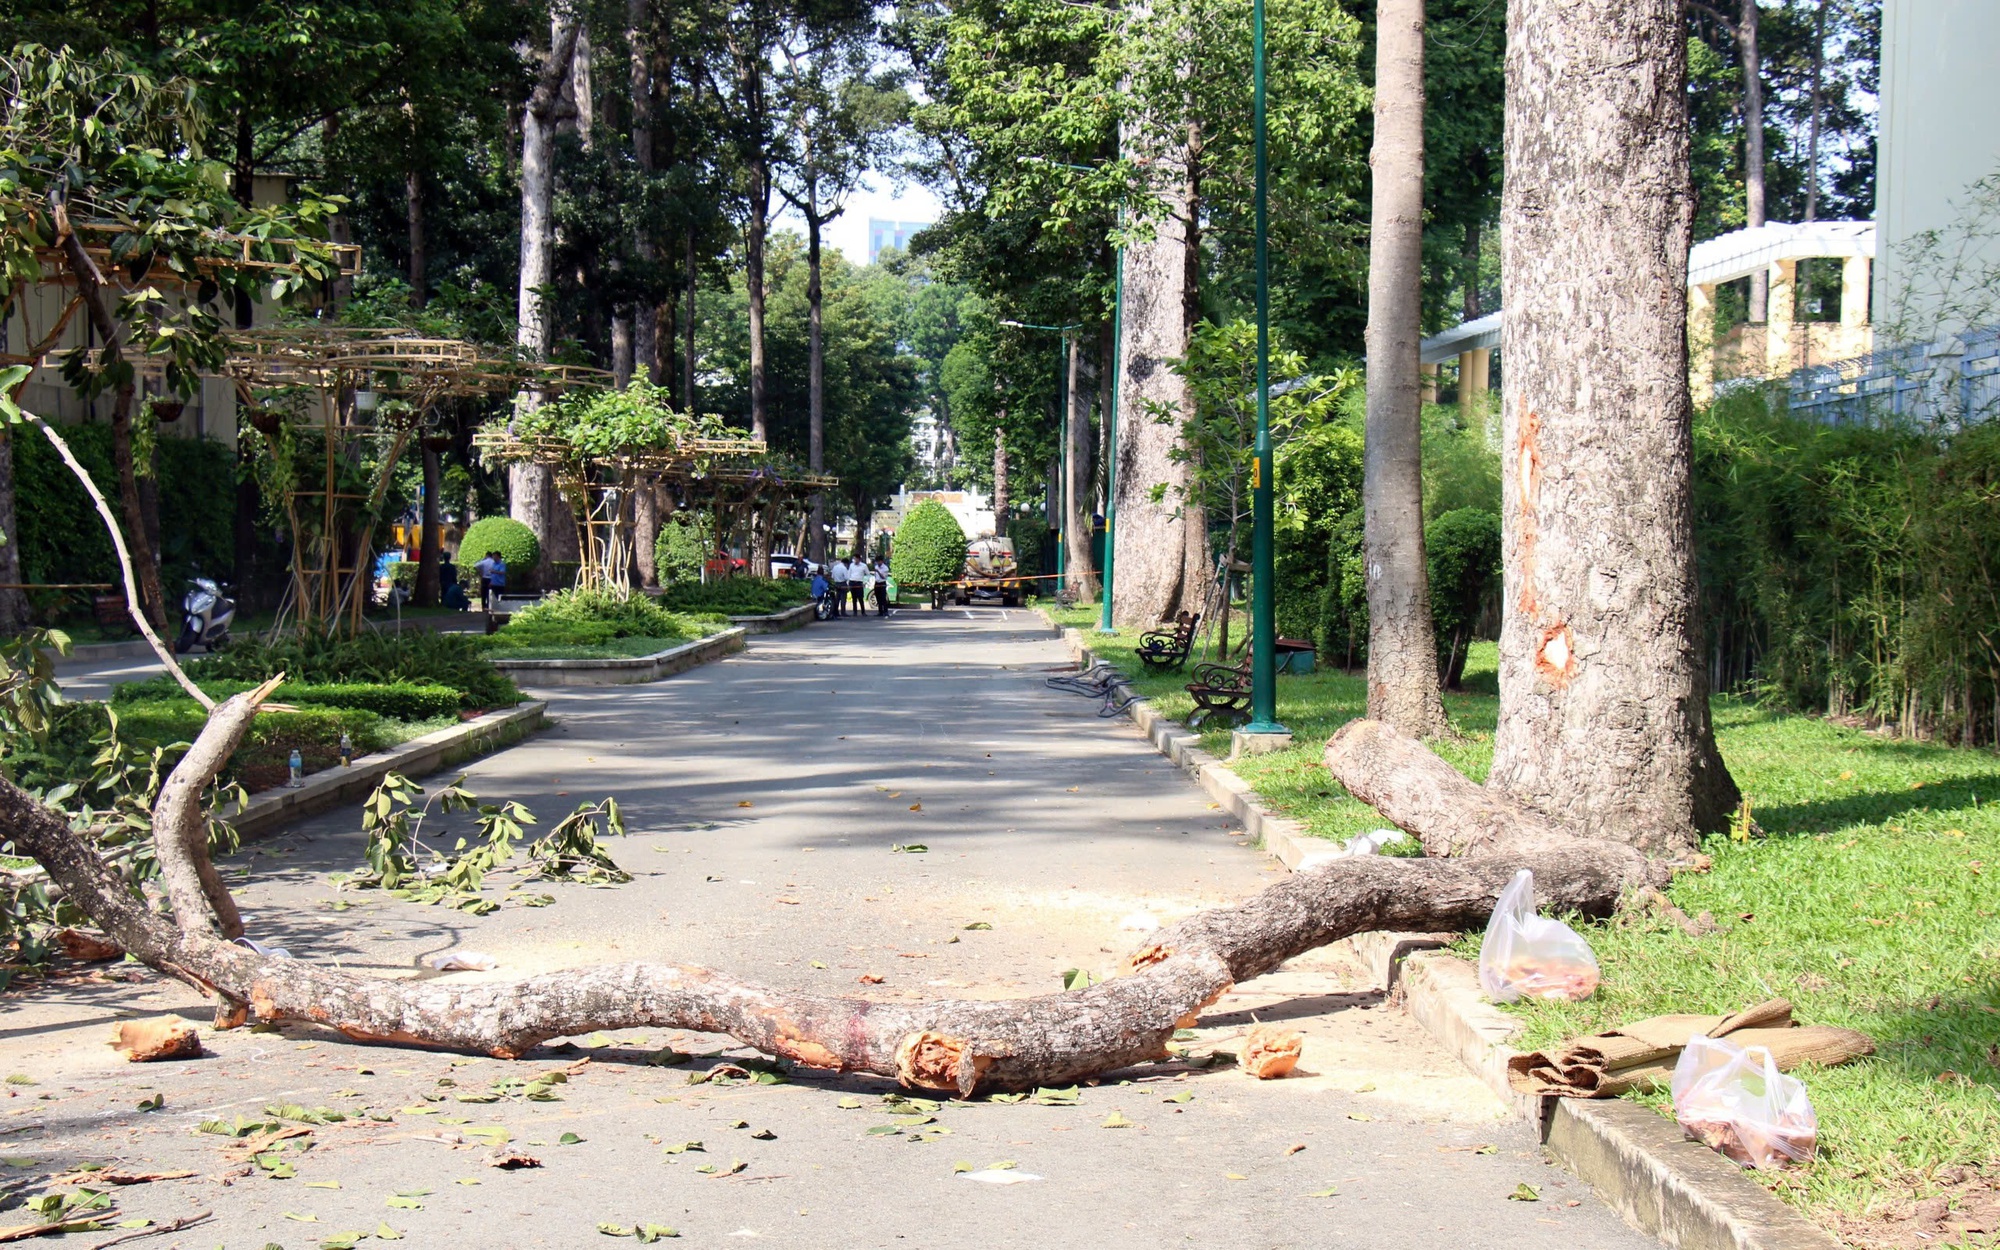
(1524, 1192)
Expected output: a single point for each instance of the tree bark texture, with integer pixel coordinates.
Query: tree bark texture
(1079, 576)
(413, 200)
(1604, 721)
(530, 487)
(13, 603)
(646, 532)
(1156, 540)
(949, 1046)
(750, 71)
(1002, 504)
(430, 556)
(645, 315)
(1753, 147)
(1402, 649)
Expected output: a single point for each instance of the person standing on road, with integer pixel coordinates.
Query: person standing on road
(838, 576)
(881, 588)
(857, 568)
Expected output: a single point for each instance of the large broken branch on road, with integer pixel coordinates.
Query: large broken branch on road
(944, 1045)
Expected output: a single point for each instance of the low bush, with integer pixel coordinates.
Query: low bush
(589, 618)
(262, 761)
(737, 596)
(399, 700)
(1462, 550)
(417, 657)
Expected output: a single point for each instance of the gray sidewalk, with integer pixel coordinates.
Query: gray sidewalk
(764, 794)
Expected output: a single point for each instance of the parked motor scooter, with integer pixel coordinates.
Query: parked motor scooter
(206, 615)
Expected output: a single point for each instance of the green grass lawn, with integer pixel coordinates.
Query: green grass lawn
(1872, 900)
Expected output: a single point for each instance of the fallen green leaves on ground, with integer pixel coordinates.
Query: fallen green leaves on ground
(1866, 894)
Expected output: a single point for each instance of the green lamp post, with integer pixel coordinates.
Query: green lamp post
(1263, 625)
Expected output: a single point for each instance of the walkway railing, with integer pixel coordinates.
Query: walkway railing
(1950, 383)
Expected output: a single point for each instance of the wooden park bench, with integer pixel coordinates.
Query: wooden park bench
(1163, 650)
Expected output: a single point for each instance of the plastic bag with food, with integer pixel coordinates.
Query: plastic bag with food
(1734, 1100)
(1530, 956)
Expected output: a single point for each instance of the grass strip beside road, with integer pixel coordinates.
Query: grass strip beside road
(1870, 900)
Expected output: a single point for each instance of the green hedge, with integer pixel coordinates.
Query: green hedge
(402, 700)
(591, 617)
(416, 657)
(62, 539)
(737, 596)
(679, 551)
(260, 762)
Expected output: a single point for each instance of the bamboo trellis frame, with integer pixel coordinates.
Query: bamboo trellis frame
(329, 585)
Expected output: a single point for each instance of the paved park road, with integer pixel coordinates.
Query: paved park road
(765, 794)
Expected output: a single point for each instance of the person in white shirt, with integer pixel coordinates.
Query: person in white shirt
(881, 588)
(857, 568)
(839, 578)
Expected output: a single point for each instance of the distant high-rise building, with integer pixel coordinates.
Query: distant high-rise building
(894, 234)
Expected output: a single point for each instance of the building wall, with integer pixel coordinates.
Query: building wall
(1940, 94)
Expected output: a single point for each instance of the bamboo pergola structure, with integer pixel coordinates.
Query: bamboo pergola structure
(327, 383)
(601, 489)
(744, 497)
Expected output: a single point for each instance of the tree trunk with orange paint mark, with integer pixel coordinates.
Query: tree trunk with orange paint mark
(1604, 720)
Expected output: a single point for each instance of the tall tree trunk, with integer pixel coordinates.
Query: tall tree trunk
(430, 590)
(1469, 257)
(1154, 546)
(1001, 503)
(13, 603)
(1604, 720)
(750, 72)
(413, 198)
(1818, 103)
(1753, 147)
(1402, 649)
(531, 496)
(690, 358)
(644, 315)
(1079, 576)
(816, 385)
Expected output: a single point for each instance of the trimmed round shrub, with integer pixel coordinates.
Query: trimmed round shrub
(515, 542)
(930, 548)
(586, 618)
(678, 551)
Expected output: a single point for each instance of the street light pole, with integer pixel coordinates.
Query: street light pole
(1263, 626)
(1104, 625)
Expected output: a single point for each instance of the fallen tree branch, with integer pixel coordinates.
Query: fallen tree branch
(946, 1045)
(1416, 791)
(202, 903)
(124, 562)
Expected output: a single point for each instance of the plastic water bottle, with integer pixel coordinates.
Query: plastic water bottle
(298, 778)
(346, 749)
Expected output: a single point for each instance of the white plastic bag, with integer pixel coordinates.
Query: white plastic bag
(462, 961)
(1530, 956)
(1734, 1100)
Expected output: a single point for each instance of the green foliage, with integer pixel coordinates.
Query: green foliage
(589, 424)
(1341, 633)
(401, 862)
(60, 539)
(1461, 460)
(930, 548)
(1462, 553)
(1319, 483)
(515, 542)
(680, 550)
(589, 617)
(418, 657)
(400, 700)
(737, 596)
(1851, 569)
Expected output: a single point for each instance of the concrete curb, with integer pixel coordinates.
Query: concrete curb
(1680, 1191)
(625, 670)
(331, 787)
(777, 622)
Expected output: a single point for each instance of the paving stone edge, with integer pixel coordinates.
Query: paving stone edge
(1679, 1191)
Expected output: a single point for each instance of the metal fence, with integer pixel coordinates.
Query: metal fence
(1950, 383)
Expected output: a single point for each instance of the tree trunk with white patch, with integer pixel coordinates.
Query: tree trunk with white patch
(1604, 721)
(1402, 650)
(531, 494)
(1079, 576)
(1157, 546)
